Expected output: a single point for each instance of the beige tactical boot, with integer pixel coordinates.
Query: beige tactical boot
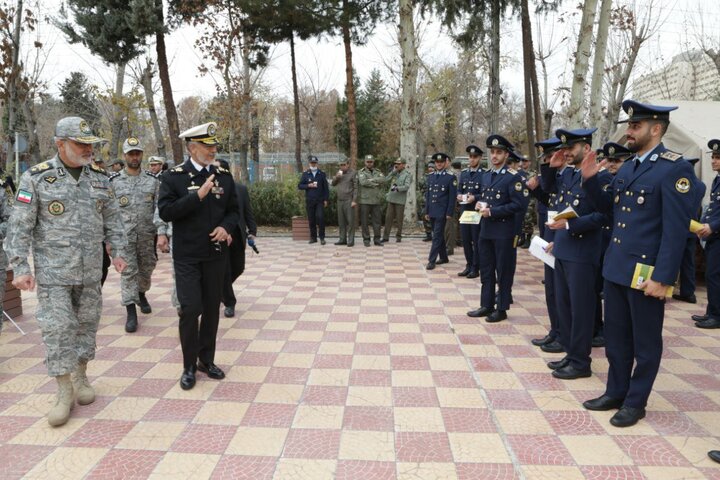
(60, 413)
(83, 390)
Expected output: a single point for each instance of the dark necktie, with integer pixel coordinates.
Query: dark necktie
(637, 164)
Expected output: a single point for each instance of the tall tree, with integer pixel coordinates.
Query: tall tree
(78, 100)
(582, 63)
(111, 30)
(598, 74)
(146, 80)
(408, 119)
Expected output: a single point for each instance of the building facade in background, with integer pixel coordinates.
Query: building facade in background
(690, 75)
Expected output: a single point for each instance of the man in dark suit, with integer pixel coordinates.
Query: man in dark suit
(245, 231)
(650, 200)
(200, 200)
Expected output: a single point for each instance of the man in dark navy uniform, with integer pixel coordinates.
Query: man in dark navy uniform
(439, 207)
(468, 194)
(200, 200)
(651, 203)
(710, 232)
(502, 198)
(577, 249)
(548, 199)
(687, 266)
(514, 161)
(317, 193)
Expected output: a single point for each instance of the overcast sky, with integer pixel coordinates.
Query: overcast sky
(322, 62)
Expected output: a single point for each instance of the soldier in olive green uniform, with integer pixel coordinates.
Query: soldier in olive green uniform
(370, 182)
(136, 191)
(65, 208)
(400, 180)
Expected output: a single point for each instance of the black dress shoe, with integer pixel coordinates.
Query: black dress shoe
(322, 241)
(699, 318)
(378, 243)
(714, 455)
(144, 304)
(187, 380)
(473, 274)
(598, 341)
(496, 316)
(603, 403)
(568, 372)
(366, 243)
(563, 362)
(312, 240)
(384, 240)
(427, 239)
(552, 347)
(539, 342)
(340, 243)
(131, 323)
(351, 244)
(480, 312)
(627, 416)
(685, 298)
(212, 370)
(430, 266)
(230, 311)
(464, 272)
(709, 323)
(442, 262)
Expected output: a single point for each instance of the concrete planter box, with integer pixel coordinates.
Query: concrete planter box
(300, 228)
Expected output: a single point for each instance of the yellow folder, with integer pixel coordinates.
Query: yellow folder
(695, 226)
(568, 213)
(644, 272)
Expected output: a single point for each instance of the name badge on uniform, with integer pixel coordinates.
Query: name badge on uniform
(217, 191)
(102, 185)
(193, 187)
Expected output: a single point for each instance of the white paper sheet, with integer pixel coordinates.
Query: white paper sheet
(537, 250)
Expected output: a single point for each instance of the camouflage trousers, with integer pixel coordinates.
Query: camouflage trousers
(141, 261)
(68, 316)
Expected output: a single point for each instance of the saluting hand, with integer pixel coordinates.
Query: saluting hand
(206, 187)
(532, 183)
(558, 159)
(24, 282)
(589, 166)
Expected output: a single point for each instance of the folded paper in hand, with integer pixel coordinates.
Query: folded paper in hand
(537, 250)
(567, 214)
(470, 217)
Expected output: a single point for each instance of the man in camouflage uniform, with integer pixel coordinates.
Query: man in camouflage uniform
(422, 186)
(136, 191)
(371, 182)
(64, 209)
(6, 183)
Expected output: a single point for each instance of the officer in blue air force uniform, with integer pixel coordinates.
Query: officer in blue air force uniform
(577, 249)
(540, 188)
(687, 266)
(439, 206)
(468, 194)
(503, 196)
(651, 203)
(710, 232)
(514, 161)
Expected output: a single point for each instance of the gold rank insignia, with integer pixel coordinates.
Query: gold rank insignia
(682, 185)
(50, 179)
(56, 207)
(41, 167)
(672, 156)
(512, 171)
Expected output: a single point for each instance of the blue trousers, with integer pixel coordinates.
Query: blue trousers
(633, 333)
(712, 277)
(551, 302)
(687, 268)
(470, 240)
(497, 264)
(439, 247)
(316, 217)
(576, 295)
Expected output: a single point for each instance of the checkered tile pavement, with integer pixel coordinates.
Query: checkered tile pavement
(354, 364)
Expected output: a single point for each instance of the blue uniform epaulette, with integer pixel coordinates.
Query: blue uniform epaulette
(98, 169)
(40, 167)
(114, 175)
(672, 156)
(512, 171)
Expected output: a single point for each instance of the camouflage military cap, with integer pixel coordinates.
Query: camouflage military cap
(77, 130)
(132, 143)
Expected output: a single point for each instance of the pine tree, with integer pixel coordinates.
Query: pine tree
(77, 99)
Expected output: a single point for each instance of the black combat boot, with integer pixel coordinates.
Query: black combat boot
(131, 323)
(144, 305)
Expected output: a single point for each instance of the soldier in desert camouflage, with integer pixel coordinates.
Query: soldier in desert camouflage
(136, 191)
(65, 208)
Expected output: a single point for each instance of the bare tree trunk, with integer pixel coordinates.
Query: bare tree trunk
(408, 125)
(245, 110)
(31, 126)
(255, 139)
(349, 86)
(118, 114)
(599, 67)
(620, 87)
(582, 61)
(164, 74)
(147, 75)
(296, 101)
(549, 114)
(494, 89)
(528, 61)
(12, 103)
